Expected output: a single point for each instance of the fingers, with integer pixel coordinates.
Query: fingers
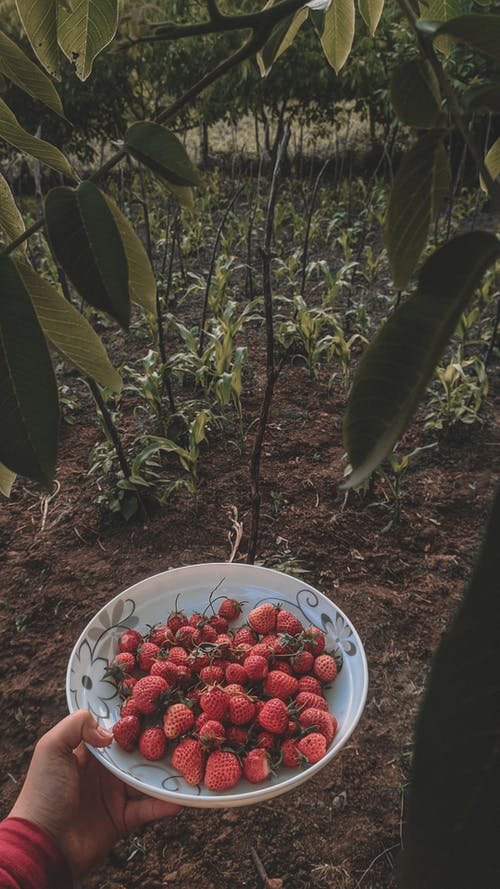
(68, 734)
(141, 811)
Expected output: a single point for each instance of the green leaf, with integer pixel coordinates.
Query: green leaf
(451, 837)
(11, 221)
(183, 193)
(442, 10)
(478, 31)
(338, 32)
(441, 180)
(7, 479)
(28, 389)
(68, 331)
(13, 133)
(399, 363)
(281, 38)
(15, 65)
(141, 279)
(492, 163)
(84, 28)
(415, 94)
(485, 97)
(371, 10)
(161, 151)
(86, 241)
(40, 23)
(411, 205)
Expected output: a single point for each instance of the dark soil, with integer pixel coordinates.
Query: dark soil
(62, 559)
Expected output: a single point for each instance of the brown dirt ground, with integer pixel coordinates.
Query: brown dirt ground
(344, 827)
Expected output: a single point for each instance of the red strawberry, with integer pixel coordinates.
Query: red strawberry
(256, 765)
(178, 719)
(302, 662)
(120, 666)
(266, 740)
(230, 609)
(188, 758)
(241, 709)
(244, 636)
(283, 667)
(161, 636)
(146, 654)
(129, 708)
(212, 734)
(129, 641)
(236, 673)
(264, 649)
(211, 674)
(312, 747)
(147, 693)
(286, 622)
(280, 685)
(306, 699)
(256, 666)
(126, 732)
(126, 685)
(166, 669)
(198, 659)
(237, 735)
(234, 688)
(274, 716)
(290, 756)
(314, 640)
(176, 619)
(224, 642)
(219, 623)
(240, 652)
(325, 668)
(178, 656)
(152, 743)
(187, 636)
(325, 722)
(222, 771)
(208, 633)
(310, 683)
(215, 702)
(263, 618)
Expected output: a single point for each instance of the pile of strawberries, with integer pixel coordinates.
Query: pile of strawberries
(225, 703)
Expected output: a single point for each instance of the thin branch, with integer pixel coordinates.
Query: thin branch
(264, 20)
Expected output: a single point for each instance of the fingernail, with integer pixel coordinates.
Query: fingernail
(104, 733)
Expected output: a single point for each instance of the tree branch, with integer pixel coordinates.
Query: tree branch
(219, 22)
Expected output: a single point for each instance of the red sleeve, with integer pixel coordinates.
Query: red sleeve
(30, 858)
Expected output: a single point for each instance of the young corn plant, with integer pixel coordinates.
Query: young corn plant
(393, 475)
(459, 395)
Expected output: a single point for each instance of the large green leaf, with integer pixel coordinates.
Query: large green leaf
(11, 221)
(28, 390)
(7, 479)
(399, 363)
(441, 180)
(492, 163)
(484, 97)
(338, 32)
(371, 10)
(411, 205)
(15, 65)
(68, 331)
(141, 279)
(86, 241)
(415, 94)
(84, 28)
(478, 31)
(442, 10)
(451, 837)
(280, 39)
(13, 133)
(40, 23)
(161, 151)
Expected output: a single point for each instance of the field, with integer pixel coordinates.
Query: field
(395, 556)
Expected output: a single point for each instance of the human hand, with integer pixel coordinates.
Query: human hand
(80, 803)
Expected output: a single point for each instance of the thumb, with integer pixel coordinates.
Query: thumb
(68, 734)
(141, 811)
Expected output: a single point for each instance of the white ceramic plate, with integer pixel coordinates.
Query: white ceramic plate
(149, 602)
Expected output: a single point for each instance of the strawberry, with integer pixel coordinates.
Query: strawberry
(314, 640)
(236, 673)
(286, 622)
(126, 732)
(146, 654)
(178, 656)
(274, 716)
(222, 771)
(219, 623)
(208, 633)
(312, 747)
(244, 636)
(198, 659)
(230, 609)
(211, 674)
(325, 668)
(126, 685)
(256, 667)
(240, 652)
(280, 685)
(302, 662)
(178, 720)
(188, 758)
(256, 765)
(283, 667)
(263, 618)
(147, 693)
(306, 699)
(264, 649)
(289, 755)
(129, 641)
(212, 734)
(241, 709)
(152, 743)
(129, 708)
(224, 642)
(237, 735)
(234, 688)
(175, 620)
(187, 636)
(321, 720)
(166, 669)
(215, 702)
(266, 740)
(310, 683)
(161, 636)
(120, 666)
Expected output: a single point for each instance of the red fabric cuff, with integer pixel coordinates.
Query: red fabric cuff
(30, 858)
